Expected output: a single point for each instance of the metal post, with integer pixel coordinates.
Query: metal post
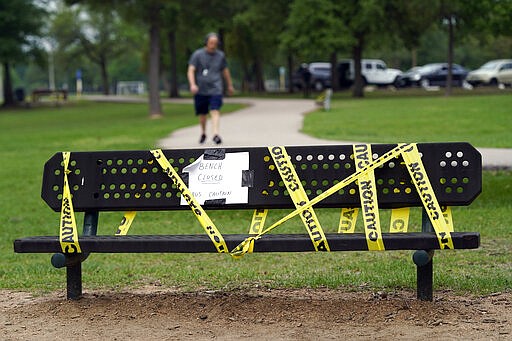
(74, 270)
(424, 282)
(424, 265)
(90, 223)
(74, 281)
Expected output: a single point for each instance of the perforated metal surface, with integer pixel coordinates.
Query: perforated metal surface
(124, 180)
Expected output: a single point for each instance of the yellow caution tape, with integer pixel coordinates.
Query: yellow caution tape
(420, 179)
(399, 220)
(447, 214)
(348, 219)
(258, 221)
(126, 223)
(368, 198)
(203, 218)
(242, 248)
(299, 197)
(68, 235)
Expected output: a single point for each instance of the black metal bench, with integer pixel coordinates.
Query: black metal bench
(133, 180)
(57, 95)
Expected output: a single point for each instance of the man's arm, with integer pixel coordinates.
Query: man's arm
(191, 75)
(227, 77)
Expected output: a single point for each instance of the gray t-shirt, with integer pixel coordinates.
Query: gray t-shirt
(209, 68)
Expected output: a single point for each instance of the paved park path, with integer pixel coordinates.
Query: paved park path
(276, 122)
(263, 122)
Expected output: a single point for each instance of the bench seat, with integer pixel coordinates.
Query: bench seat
(195, 243)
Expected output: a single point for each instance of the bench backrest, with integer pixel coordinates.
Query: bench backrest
(133, 180)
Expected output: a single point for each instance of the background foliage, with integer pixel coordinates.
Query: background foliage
(109, 40)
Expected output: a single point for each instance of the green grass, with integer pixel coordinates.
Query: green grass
(483, 120)
(30, 137)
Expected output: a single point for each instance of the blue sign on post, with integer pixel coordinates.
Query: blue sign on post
(78, 74)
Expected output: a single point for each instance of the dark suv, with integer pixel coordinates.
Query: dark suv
(320, 76)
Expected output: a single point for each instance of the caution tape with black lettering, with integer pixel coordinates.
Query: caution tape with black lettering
(243, 247)
(412, 158)
(125, 224)
(422, 183)
(68, 232)
(203, 218)
(368, 197)
(257, 223)
(399, 220)
(299, 197)
(440, 217)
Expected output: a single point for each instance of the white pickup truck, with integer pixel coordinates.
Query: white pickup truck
(374, 71)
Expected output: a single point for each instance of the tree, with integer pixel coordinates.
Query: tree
(365, 21)
(462, 17)
(20, 24)
(96, 34)
(411, 19)
(315, 34)
(500, 17)
(254, 40)
(147, 13)
(170, 16)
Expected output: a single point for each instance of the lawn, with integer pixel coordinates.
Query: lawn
(31, 136)
(482, 120)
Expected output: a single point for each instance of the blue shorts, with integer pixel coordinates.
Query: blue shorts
(204, 103)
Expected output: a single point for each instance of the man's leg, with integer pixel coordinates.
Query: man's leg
(202, 122)
(215, 121)
(201, 107)
(215, 105)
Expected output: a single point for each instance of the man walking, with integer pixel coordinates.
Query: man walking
(206, 68)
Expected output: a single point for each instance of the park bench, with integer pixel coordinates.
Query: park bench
(56, 95)
(259, 178)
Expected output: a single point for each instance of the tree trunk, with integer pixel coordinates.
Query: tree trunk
(171, 39)
(335, 78)
(165, 77)
(449, 77)
(155, 108)
(290, 74)
(258, 71)
(246, 78)
(8, 93)
(104, 77)
(220, 34)
(357, 53)
(414, 57)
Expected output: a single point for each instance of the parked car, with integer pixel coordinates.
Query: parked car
(504, 76)
(374, 71)
(433, 74)
(320, 76)
(487, 74)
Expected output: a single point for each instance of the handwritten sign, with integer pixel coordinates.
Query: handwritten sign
(218, 179)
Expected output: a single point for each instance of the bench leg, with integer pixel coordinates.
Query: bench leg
(424, 281)
(424, 265)
(74, 281)
(74, 270)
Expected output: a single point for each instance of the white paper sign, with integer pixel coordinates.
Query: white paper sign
(218, 179)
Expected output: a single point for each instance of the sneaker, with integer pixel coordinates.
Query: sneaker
(217, 139)
(202, 138)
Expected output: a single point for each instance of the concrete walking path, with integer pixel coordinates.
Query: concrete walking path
(264, 122)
